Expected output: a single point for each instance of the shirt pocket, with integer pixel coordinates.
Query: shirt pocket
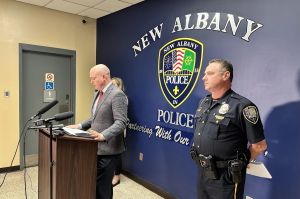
(224, 123)
(212, 128)
(227, 129)
(197, 117)
(215, 127)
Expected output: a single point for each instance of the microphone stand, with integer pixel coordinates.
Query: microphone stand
(49, 125)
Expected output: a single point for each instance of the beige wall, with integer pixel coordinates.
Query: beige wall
(25, 23)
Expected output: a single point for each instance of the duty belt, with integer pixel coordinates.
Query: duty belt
(204, 162)
(207, 161)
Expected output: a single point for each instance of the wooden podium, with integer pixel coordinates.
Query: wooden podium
(74, 170)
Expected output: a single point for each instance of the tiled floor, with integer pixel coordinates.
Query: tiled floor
(13, 188)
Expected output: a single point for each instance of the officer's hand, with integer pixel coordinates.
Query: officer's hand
(251, 161)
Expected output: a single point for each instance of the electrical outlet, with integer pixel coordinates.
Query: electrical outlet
(141, 156)
(6, 93)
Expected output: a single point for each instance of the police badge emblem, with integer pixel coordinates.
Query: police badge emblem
(179, 65)
(224, 109)
(251, 114)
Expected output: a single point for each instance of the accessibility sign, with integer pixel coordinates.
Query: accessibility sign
(49, 85)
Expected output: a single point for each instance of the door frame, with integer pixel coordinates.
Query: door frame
(49, 50)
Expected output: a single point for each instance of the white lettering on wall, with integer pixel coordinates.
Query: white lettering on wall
(140, 128)
(180, 139)
(162, 133)
(144, 41)
(175, 118)
(211, 21)
(220, 22)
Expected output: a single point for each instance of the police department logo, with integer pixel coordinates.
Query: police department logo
(251, 114)
(179, 65)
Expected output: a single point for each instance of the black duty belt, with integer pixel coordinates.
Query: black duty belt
(209, 161)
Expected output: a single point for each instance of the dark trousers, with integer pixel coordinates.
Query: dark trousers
(118, 165)
(105, 172)
(221, 188)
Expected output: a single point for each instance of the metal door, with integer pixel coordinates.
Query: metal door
(37, 64)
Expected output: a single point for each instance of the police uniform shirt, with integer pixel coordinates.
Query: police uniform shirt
(225, 126)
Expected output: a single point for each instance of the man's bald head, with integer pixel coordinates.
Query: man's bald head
(101, 69)
(100, 76)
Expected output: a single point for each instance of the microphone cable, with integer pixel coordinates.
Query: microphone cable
(24, 159)
(22, 133)
(25, 167)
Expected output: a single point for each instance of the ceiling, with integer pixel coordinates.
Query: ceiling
(87, 8)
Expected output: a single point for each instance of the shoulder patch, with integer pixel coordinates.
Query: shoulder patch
(251, 114)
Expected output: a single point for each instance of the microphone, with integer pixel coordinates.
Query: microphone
(45, 109)
(61, 116)
(57, 117)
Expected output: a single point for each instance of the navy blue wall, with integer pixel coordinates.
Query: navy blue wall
(266, 70)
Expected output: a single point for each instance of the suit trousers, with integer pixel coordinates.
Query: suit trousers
(118, 165)
(105, 173)
(221, 188)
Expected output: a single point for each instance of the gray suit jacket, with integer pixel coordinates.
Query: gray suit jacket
(110, 119)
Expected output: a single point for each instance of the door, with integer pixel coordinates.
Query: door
(37, 63)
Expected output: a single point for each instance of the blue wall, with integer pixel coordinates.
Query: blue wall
(266, 70)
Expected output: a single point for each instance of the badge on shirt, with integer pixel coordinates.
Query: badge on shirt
(224, 108)
(251, 114)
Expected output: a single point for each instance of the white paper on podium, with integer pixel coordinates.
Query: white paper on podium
(258, 169)
(76, 132)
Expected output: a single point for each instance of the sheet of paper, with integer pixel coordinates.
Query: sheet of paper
(76, 132)
(258, 169)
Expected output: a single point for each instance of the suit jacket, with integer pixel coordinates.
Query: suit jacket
(110, 119)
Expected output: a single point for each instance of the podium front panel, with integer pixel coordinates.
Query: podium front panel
(74, 170)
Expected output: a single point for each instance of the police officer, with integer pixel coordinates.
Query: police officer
(228, 134)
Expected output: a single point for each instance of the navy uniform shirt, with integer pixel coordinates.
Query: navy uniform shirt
(225, 126)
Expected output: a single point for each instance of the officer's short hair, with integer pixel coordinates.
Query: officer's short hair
(226, 66)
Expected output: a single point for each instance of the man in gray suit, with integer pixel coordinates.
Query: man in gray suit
(106, 125)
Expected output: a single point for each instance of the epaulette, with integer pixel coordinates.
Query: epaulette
(203, 100)
(236, 96)
(242, 99)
